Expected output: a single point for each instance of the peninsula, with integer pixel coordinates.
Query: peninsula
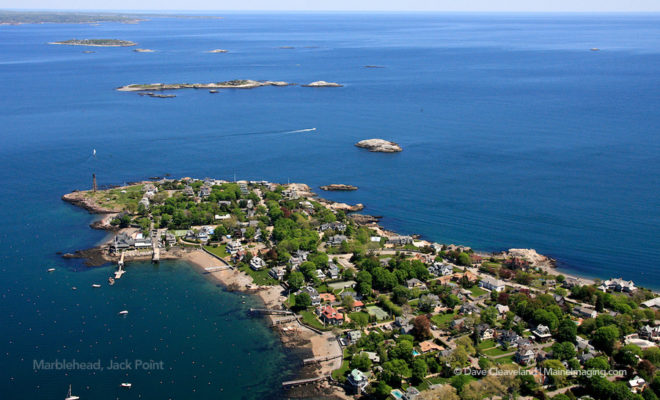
(388, 314)
(97, 42)
(234, 84)
(379, 145)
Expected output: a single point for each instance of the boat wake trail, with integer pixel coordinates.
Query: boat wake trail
(262, 133)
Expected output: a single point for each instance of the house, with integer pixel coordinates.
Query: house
(372, 356)
(277, 273)
(457, 324)
(525, 355)
(320, 275)
(501, 309)
(411, 393)
(492, 284)
(144, 201)
(400, 240)
(234, 247)
(316, 299)
(121, 242)
(298, 258)
(328, 297)
(583, 344)
(654, 302)
(329, 315)
(637, 384)
(142, 242)
(188, 191)
(618, 285)
(542, 333)
(256, 263)
(428, 346)
(333, 270)
(415, 283)
(226, 204)
(354, 336)
(357, 380)
(485, 332)
(242, 186)
(469, 309)
(337, 240)
(205, 191)
(508, 338)
(650, 333)
(570, 282)
(335, 226)
(585, 312)
(170, 239)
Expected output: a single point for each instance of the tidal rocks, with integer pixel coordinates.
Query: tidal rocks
(379, 145)
(235, 84)
(339, 187)
(323, 84)
(97, 42)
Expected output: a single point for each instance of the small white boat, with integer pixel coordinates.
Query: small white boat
(51, 269)
(69, 396)
(96, 285)
(126, 385)
(74, 288)
(111, 281)
(123, 312)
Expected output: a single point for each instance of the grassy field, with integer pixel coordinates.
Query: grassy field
(310, 319)
(477, 291)
(114, 198)
(340, 374)
(486, 344)
(259, 277)
(497, 352)
(219, 251)
(442, 321)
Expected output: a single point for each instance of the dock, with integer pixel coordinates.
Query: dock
(320, 359)
(284, 320)
(216, 268)
(270, 311)
(300, 382)
(119, 272)
(155, 257)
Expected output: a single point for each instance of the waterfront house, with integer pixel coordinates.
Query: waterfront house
(121, 242)
(170, 239)
(400, 240)
(256, 263)
(335, 226)
(329, 315)
(492, 284)
(205, 191)
(617, 285)
(542, 333)
(234, 247)
(637, 384)
(313, 294)
(650, 333)
(357, 380)
(242, 186)
(277, 273)
(142, 242)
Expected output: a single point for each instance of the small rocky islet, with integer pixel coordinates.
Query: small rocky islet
(339, 187)
(379, 145)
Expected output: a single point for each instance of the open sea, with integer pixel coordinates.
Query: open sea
(515, 134)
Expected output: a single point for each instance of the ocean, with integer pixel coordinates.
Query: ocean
(515, 134)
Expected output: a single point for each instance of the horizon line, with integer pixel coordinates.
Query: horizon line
(103, 10)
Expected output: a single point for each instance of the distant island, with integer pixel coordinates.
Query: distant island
(218, 51)
(339, 187)
(322, 84)
(97, 42)
(46, 17)
(144, 51)
(379, 145)
(234, 84)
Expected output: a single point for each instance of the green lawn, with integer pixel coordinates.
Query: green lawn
(259, 277)
(477, 291)
(310, 319)
(497, 352)
(442, 321)
(219, 251)
(437, 380)
(340, 374)
(486, 344)
(114, 198)
(505, 360)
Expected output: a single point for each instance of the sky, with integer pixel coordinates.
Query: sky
(343, 5)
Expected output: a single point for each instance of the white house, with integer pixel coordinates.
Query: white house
(256, 263)
(492, 284)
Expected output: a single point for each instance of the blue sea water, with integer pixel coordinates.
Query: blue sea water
(515, 134)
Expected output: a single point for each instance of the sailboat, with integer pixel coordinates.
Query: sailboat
(69, 396)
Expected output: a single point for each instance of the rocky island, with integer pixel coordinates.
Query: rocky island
(322, 84)
(144, 51)
(339, 187)
(217, 51)
(97, 42)
(235, 84)
(379, 145)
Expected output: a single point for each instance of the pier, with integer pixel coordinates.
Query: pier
(300, 382)
(320, 359)
(284, 320)
(270, 311)
(120, 266)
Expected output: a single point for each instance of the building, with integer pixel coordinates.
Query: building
(618, 285)
(542, 333)
(501, 309)
(358, 380)
(313, 294)
(525, 354)
(415, 283)
(637, 384)
(298, 258)
(142, 242)
(234, 247)
(650, 333)
(205, 191)
(277, 273)
(469, 309)
(329, 315)
(492, 284)
(585, 312)
(333, 270)
(354, 336)
(335, 226)
(170, 239)
(337, 240)
(428, 346)
(256, 263)
(411, 393)
(121, 242)
(400, 240)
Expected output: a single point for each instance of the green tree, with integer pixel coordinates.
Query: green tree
(395, 370)
(629, 354)
(419, 369)
(382, 390)
(303, 300)
(295, 281)
(489, 315)
(361, 362)
(605, 337)
(558, 374)
(567, 331)
(563, 351)
(464, 259)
